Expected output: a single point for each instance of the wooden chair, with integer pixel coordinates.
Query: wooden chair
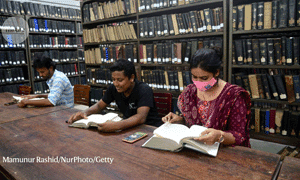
(24, 90)
(82, 94)
(163, 102)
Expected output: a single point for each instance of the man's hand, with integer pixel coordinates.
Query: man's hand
(108, 126)
(22, 103)
(77, 116)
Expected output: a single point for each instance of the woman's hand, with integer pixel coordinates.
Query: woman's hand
(172, 118)
(209, 136)
(77, 116)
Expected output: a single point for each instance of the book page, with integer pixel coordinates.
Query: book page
(196, 130)
(174, 132)
(20, 98)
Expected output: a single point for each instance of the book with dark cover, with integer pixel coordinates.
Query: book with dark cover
(176, 81)
(252, 120)
(254, 15)
(266, 86)
(296, 50)
(240, 17)
(293, 124)
(267, 121)
(151, 27)
(194, 47)
(146, 27)
(275, 14)
(284, 122)
(260, 15)
(267, 15)
(244, 43)
(193, 20)
(238, 44)
(171, 80)
(298, 14)
(208, 20)
(171, 26)
(149, 49)
(249, 51)
(255, 49)
(272, 87)
(257, 119)
(289, 51)
(292, 13)
(165, 25)
(262, 119)
(238, 79)
(187, 56)
(296, 79)
(233, 54)
(290, 88)
(272, 120)
(280, 86)
(260, 86)
(283, 13)
(283, 50)
(270, 47)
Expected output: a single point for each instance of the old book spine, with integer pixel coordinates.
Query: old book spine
(278, 120)
(267, 121)
(289, 51)
(298, 12)
(265, 85)
(272, 120)
(234, 18)
(292, 13)
(274, 14)
(255, 49)
(241, 17)
(284, 122)
(296, 50)
(270, 47)
(280, 86)
(238, 44)
(263, 51)
(257, 120)
(254, 15)
(260, 86)
(272, 87)
(283, 50)
(260, 15)
(296, 79)
(208, 20)
(283, 13)
(248, 15)
(253, 86)
(267, 15)
(244, 43)
(290, 88)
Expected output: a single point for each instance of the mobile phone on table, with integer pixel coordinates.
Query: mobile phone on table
(134, 137)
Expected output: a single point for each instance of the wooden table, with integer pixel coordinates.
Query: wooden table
(290, 168)
(13, 112)
(48, 135)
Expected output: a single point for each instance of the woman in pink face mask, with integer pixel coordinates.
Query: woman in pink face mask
(211, 102)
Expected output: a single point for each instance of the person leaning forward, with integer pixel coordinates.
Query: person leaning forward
(133, 98)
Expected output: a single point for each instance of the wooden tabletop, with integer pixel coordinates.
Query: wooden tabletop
(13, 112)
(290, 168)
(48, 135)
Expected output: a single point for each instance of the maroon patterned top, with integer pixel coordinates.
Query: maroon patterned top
(229, 112)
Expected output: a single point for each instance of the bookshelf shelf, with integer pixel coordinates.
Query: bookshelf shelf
(59, 34)
(275, 102)
(267, 66)
(12, 66)
(276, 138)
(52, 18)
(99, 85)
(165, 65)
(263, 31)
(111, 42)
(108, 20)
(59, 48)
(15, 82)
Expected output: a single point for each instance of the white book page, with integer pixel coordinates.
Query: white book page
(175, 132)
(20, 98)
(196, 130)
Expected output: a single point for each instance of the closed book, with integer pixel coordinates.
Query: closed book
(141, 27)
(208, 20)
(176, 80)
(238, 79)
(298, 12)
(151, 30)
(193, 20)
(280, 86)
(267, 121)
(289, 51)
(252, 120)
(263, 51)
(244, 43)
(260, 86)
(296, 50)
(283, 50)
(241, 17)
(272, 120)
(283, 13)
(260, 15)
(248, 15)
(262, 119)
(296, 82)
(238, 44)
(253, 86)
(275, 14)
(257, 119)
(146, 27)
(290, 88)
(272, 87)
(255, 49)
(246, 83)
(234, 18)
(266, 86)
(254, 15)
(165, 25)
(194, 47)
(293, 124)
(170, 24)
(270, 47)
(292, 13)
(267, 15)
(284, 122)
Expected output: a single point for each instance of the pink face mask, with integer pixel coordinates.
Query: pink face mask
(204, 86)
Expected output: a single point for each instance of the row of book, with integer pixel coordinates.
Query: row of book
(174, 52)
(58, 56)
(110, 32)
(34, 9)
(96, 94)
(77, 80)
(275, 121)
(67, 69)
(275, 86)
(48, 41)
(266, 15)
(41, 87)
(110, 53)
(102, 10)
(8, 40)
(279, 51)
(98, 76)
(11, 75)
(207, 20)
(12, 58)
(79, 28)
(13, 88)
(51, 26)
(12, 24)
(146, 5)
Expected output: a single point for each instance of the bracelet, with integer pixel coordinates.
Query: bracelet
(221, 139)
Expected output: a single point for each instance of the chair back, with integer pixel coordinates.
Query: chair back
(82, 94)
(163, 102)
(24, 90)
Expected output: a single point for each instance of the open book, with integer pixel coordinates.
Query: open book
(173, 137)
(18, 98)
(95, 119)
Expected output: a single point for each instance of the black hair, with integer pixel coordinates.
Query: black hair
(209, 60)
(124, 65)
(41, 61)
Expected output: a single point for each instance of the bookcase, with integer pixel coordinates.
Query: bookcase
(164, 35)
(263, 58)
(35, 28)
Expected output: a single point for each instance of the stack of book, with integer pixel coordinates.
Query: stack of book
(266, 15)
(68, 69)
(280, 51)
(207, 20)
(102, 10)
(111, 32)
(110, 53)
(98, 76)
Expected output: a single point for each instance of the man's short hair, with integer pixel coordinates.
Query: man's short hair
(41, 61)
(124, 65)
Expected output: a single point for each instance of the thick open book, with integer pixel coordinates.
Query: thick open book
(19, 99)
(173, 137)
(95, 119)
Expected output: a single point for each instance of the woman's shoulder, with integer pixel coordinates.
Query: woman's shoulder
(234, 90)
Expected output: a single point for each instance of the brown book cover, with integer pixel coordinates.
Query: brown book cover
(155, 53)
(145, 54)
(175, 25)
(248, 16)
(178, 53)
(180, 81)
(272, 120)
(267, 15)
(257, 120)
(278, 119)
(254, 86)
(167, 80)
(290, 88)
(141, 54)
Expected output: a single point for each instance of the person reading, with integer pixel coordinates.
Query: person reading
(133, 98)
(213, 103)
(61, 90)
